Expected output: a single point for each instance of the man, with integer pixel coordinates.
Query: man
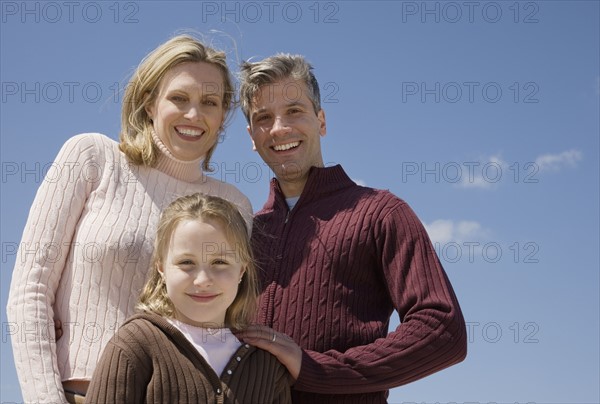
(336, 259)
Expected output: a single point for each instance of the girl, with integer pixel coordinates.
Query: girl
(180, 347)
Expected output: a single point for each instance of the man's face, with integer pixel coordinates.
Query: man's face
(286, 131)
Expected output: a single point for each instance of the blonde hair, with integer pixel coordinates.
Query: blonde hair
(136, 126)
(198, 206)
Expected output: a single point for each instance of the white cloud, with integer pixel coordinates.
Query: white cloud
(482, 174)
(488, 172)
(444, 231)
(360, 182)
(555, 162)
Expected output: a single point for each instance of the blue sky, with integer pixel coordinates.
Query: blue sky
(483, 116)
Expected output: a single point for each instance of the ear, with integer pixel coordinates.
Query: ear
(150, 111)
(149, 107)
(242, 274)
(250, 133)
(322, 123)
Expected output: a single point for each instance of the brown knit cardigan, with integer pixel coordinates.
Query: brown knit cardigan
(150, 361)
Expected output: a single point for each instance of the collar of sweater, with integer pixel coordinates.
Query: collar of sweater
(188, 171)
(321, 181)
(166, 327)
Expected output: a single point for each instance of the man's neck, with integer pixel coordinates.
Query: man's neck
(293, 185)
(291, 189)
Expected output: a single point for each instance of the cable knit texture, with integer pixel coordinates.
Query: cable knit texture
(333, 270)
(85, 253)
(150, 361)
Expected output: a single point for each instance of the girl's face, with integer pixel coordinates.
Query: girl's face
(202, 272)
(188, 111)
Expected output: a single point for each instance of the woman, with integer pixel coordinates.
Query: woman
(87, 244)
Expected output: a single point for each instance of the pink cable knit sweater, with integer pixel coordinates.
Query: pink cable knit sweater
(85, 253)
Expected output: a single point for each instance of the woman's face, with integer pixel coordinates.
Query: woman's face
(188, 112)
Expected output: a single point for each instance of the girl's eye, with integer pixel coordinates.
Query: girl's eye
(178, 98)
(186, 262)
(211, 103)
(219, 262)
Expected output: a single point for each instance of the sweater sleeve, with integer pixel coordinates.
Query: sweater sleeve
(245, 208)
(282, 383)
(39, 264)
(234, 195)
(121, 375)
(432, 333)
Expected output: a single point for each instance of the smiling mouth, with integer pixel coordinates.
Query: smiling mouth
(202, 298)
(287, 146)
(189, 132)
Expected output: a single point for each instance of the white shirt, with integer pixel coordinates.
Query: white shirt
(291, 202)
(216, 345)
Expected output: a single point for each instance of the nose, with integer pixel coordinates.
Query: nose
(203, 278)
(280, 127)
(193, 113)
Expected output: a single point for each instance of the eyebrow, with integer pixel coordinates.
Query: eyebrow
(206, 254)
(216, 90)
(221, 253)
(289, 105)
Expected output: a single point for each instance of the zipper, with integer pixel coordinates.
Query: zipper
(282, 234)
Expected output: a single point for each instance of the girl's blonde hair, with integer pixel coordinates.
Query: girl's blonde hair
(198, 206)
(136, 126)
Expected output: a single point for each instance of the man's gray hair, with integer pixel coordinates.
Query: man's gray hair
(275, 68)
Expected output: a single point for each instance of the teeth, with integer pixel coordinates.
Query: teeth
(288, 146)
(190, 132)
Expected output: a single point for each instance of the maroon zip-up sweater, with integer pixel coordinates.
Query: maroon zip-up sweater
(332, 271)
